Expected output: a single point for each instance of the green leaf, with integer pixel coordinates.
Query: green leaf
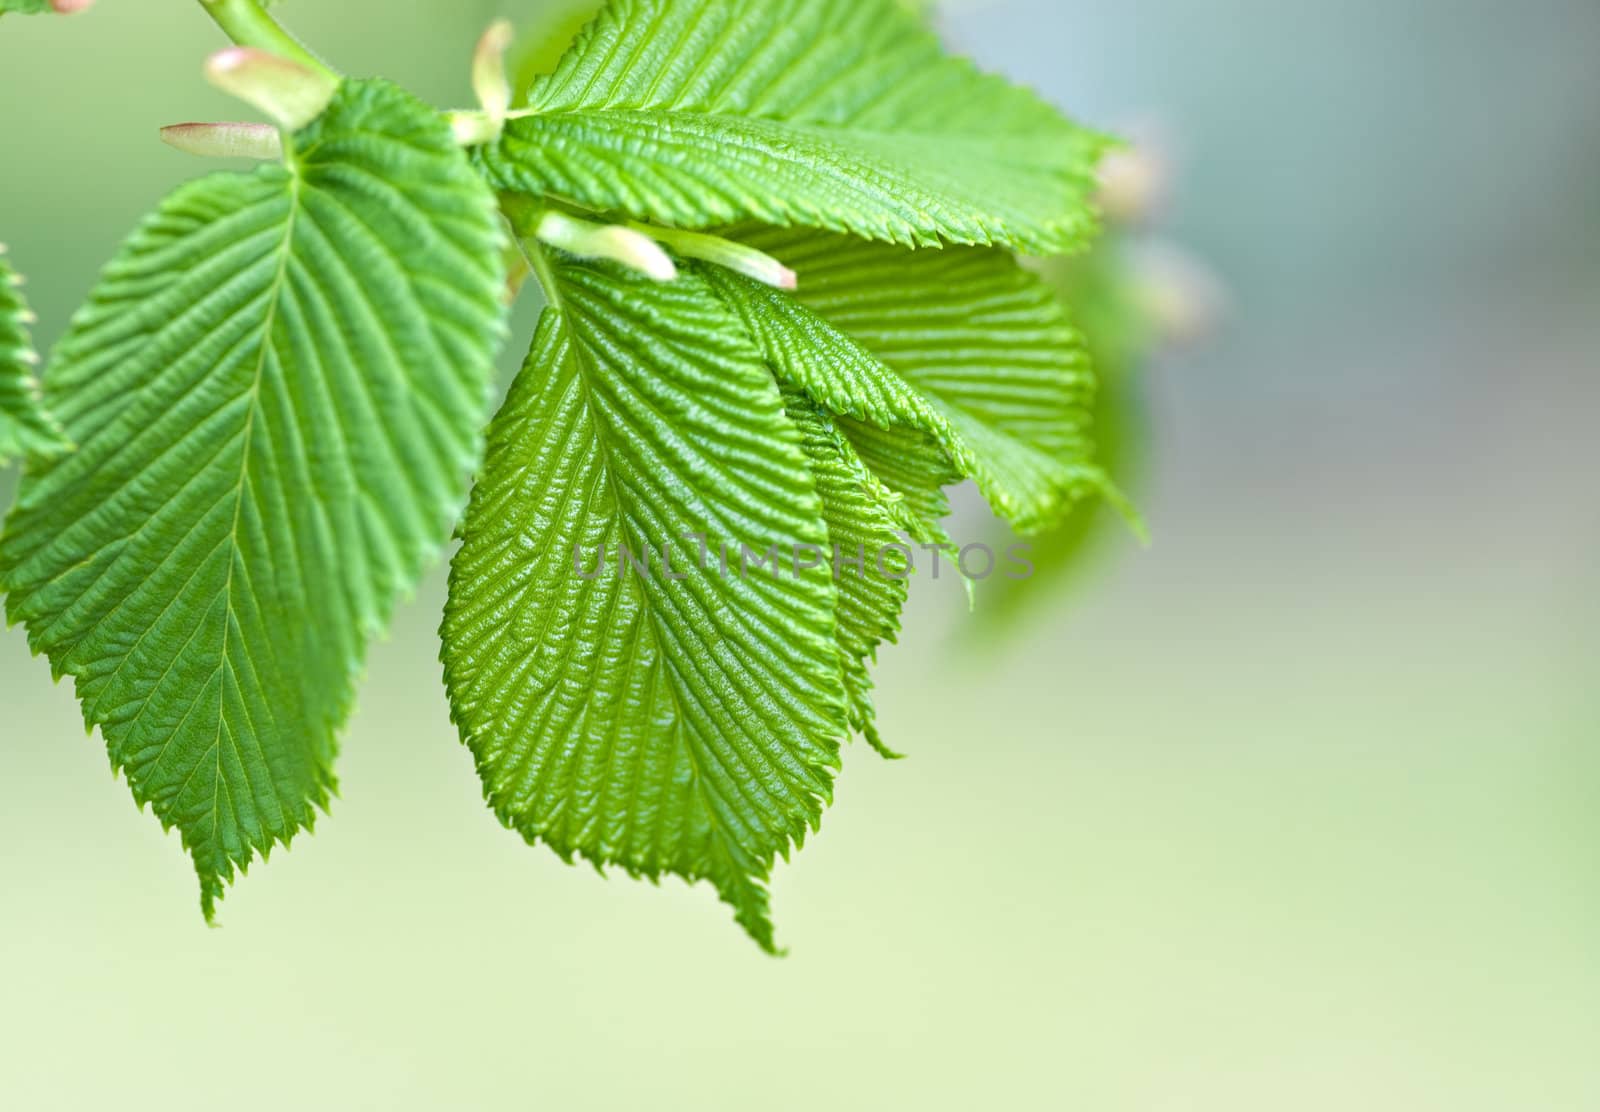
(1108, 301)
(27, 431)
(912, 465)
(837, 114)
(668, 725)
(276, 388)
(25, 7)
(864, 527)
(962, 345)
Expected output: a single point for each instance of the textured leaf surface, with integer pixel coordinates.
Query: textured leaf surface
(961, 344)
(26, 430)
(668, 725)
(24, 7)
(837, 114)
(862, 526)
(276, 389)
(911, 464)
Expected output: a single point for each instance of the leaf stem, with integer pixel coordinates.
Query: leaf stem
(533, 251)
(247, 23)
(724, 252)
(522, 215)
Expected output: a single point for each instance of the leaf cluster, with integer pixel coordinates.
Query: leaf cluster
(776, 241)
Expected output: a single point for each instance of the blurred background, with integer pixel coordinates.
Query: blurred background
(1294, 809)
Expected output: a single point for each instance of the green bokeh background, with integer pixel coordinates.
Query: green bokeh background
(1295, 810)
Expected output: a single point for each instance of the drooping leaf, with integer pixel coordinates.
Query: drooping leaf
(1105, 297)
(837, 114)
(869, 516)
(870, 508)
(277, 390)
(961, 344)
(668, 725)
(869, 570)
(27, 431)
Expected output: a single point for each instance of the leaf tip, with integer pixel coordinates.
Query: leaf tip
(875, 740)
(210, 893)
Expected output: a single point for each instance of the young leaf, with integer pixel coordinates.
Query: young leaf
(837, 114)
(961, 344)
(276, 389)
(681, 719)
(862, 527)
(26, 430)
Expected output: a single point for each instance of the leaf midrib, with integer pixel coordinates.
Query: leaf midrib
(274, 295)
(731, 844)
(731, 119)
(585, 366)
